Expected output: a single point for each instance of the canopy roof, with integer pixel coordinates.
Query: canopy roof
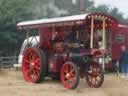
(75, 19)
(122, 25)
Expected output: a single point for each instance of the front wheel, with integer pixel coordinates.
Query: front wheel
(69, 75)
(94, 75)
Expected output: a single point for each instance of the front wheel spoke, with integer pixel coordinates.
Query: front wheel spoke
(66, 70)
(68, 81)
(71, 72)
(69, 75)
(73, 78)
(93, 69)
(95, 81)
(97, 74)
(98, 70)
(98, 78)
(89, 79)
(92, 80)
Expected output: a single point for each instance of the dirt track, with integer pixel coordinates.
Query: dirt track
(12, 84)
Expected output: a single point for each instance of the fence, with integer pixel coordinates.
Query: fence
(8, 62)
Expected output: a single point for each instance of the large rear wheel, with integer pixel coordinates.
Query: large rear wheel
(34, 65)
(69, 75)
(94, 75)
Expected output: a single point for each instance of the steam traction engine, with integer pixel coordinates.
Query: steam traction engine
(70, 48)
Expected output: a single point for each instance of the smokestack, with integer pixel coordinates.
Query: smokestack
(82, 6)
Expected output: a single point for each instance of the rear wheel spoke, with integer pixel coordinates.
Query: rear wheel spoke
(37, 67)
(37, 61)
(28, 61)
(29, 71)
(30, 55)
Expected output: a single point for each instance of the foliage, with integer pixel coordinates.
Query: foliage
(12, 11)
(106, 9)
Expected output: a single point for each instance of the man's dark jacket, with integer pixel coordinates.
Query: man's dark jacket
(124, 57)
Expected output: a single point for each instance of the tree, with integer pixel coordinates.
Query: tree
(119, 16)
(106, 9)
(88, 7)
(9, 16)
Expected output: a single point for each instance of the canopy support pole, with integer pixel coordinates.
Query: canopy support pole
(104, 44)
(92, 32)
(27, 37)
(104, 35)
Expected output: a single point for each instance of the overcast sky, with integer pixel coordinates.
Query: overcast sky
(122, 5)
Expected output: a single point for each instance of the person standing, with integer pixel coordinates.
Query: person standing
(124, 62)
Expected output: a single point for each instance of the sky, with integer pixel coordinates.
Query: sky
(122, 5)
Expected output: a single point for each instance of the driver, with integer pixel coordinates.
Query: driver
(59, 42)
(71, 40)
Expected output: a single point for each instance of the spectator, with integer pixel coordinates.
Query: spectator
(124, 62)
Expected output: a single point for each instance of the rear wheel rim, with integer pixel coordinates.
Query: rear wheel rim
(94, 76)
(31, 65)
(69, 76)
